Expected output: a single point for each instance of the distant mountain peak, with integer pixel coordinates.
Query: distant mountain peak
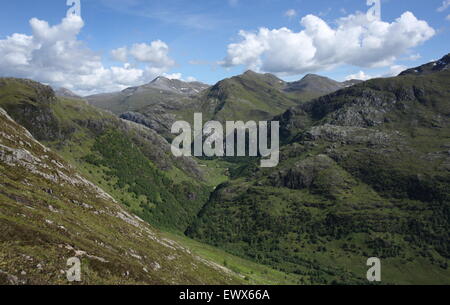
(317, 84)
(269, 78)
(312, 75)
(160, 79)
(314, 83)
(64, 92)
(431, 67)
(176, 86)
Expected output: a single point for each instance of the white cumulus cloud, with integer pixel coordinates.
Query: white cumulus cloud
(191, 79)
(355, 40)
(155, 53)
(53, 55)
(173, 76)
(394, 70)
(120, 54)
(361, 75)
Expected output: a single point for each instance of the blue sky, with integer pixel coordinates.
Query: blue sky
(195, 37)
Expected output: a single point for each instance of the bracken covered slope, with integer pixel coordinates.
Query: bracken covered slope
(49, 213)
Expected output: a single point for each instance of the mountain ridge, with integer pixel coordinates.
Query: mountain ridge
(248, 96)
(432, 67)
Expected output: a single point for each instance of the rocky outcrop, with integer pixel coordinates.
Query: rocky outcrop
(302, 174)
(350, 135)
(157, 119)
(18, 148)
(31, 106)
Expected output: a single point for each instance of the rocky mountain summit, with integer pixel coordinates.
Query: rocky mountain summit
(176, 86)
(432, 67)
(161, 92)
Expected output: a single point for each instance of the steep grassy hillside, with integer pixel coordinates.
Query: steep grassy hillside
(252, 273)
(129, 161)
(49, 213)
(365, 172)
(123, 158)
(250, 96)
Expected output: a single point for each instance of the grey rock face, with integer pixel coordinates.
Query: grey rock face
(348, 135)
(158, 120)
(302, 174)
